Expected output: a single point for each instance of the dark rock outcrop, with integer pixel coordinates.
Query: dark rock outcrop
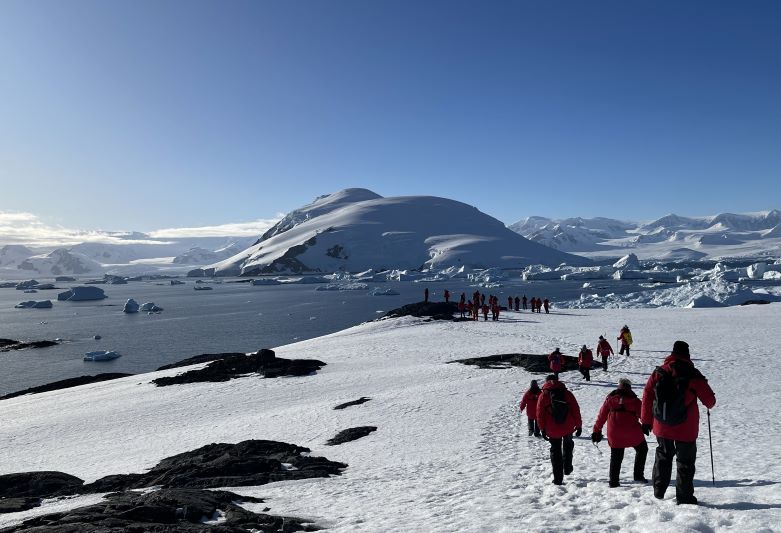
(537, 363)
(248, 463)
(359, 401)
(15, 505)
(10, 344)
(233, 366)
(350, 434)
(203, 358)
(24, 490)
(435, 310)
(164, 511)
(66, 384)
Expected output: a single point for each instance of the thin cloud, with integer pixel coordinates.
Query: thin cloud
(28, 229)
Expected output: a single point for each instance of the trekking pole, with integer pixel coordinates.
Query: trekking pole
(597, 447)
(710, 440)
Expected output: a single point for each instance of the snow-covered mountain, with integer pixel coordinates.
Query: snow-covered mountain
(669, 237)
(356, 229)
(202, 256)
(59, 262)
(13, 254)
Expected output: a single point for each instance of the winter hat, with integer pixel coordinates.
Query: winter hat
(601, 338)
(681, 348)
(551, 377)
(584, 347)
(624, 383)
(534, 383)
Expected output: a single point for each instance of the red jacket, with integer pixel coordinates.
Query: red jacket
(556, 361)
(585, 358)
(621, 410)
(545, 413)
(699, 389)
(604, 349)
(529, 401)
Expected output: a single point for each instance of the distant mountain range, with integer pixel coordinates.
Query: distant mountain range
(357, 229)
(671, 237)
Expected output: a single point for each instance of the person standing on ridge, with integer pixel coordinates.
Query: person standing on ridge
(517, 303)
(447, 296)
(546, 304)
(621, 410)
(461, 308)
(670, 409)
(509, 303)
(533, 304)
(482, 299)
(556, 362)
(529, 401)
(524, 301)
(558, 415)
(485, 312)
(625, 337)
(425, 295)
(585, 359)
(604, 350)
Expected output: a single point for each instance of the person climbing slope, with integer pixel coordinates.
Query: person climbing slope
(529, 402)
(625, 337)
(621, 410)
(604, 350)
(556, 362)
(585, 359)
(558, 415)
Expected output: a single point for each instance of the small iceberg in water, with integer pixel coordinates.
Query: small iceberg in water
(101, 355)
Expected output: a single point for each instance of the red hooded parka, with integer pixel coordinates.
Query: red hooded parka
(545, 412)
(621, 410)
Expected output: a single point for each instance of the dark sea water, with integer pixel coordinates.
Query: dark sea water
(232, 317)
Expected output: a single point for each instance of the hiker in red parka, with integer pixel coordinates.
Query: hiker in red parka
(533, 303)
(517, 303)
(524, 300)
(485, 313)
(546, 304)
(675, 437)
(556, 362)
(496, 310)
(585, 359)
(558, 415)
(509, 303)
(447, 296)
(529, 401)
(461, 308)
(621, 410)
(482, 299)
(604, 350)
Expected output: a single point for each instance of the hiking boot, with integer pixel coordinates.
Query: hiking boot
(613, 484)
(641, 479)
(691, 500)
(568, 470)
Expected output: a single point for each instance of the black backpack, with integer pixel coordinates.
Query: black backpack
(559, 405)
(670, 395)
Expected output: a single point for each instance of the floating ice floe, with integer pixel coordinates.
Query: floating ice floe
(383, 292)
(101, 355)
(265, 281)
(202, 288)
(352, 286)
(84, 293)
(32, 304)
(150, 307)
(131, 306)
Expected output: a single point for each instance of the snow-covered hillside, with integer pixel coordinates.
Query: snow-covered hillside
(450, 452)
(670, 237)
(59, 262)
(13, 254)
(356, 230)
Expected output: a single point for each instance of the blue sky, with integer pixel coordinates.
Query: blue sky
(148, 114)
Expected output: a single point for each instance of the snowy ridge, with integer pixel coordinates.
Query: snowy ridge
(671, 237)
(344, 232)
(451, 451)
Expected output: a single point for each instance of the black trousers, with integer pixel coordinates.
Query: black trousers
(685, 454)
(624, 346)
(561, 457)
(534, 429)
(617, 456)
(586, 372)
(604, 363)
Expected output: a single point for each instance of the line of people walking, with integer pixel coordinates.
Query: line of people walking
(472, 308)
(668, 408)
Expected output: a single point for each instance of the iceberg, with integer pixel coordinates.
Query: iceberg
(383, 292)
(101, 355)
(266, 281)
(628, 262)
(150, 307)
(756, 271)
(32, 304)
(131, 306)
(83, 293)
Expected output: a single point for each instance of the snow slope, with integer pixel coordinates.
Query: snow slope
(669, 237)
(451, 451)
(345, 231)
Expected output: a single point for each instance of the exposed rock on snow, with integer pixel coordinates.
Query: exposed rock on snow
(357, 232)
(32, 304)
(131, 306)
(26, 489)
(359, 401)
(247, 463)
(230, 367)
(350, 434)
(66, 384)
(537, 363)
(83, 293)
(164, 511)
(203, 358)
(10, 344)
(435, 310)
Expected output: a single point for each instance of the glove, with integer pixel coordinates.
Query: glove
(544, 435)
(647, 429)
(578, 432)
(596, 437)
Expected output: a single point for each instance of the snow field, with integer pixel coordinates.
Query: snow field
(451, 451)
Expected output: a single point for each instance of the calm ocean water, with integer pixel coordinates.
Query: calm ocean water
(232, 317)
